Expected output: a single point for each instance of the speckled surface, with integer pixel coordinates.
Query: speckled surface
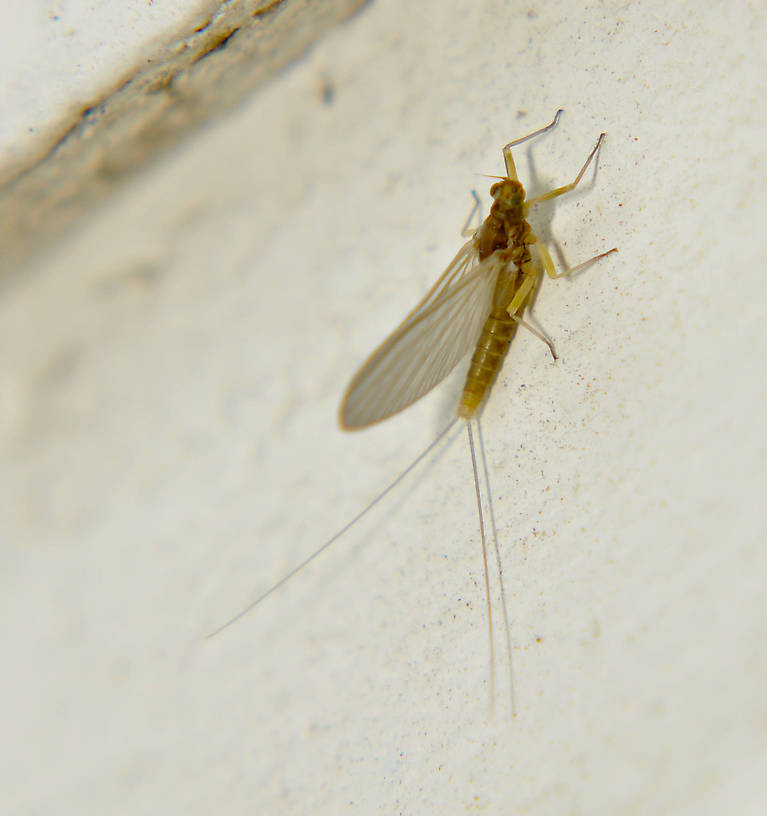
(169, 376)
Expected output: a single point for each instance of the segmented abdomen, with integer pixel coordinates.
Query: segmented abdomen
(492, 345)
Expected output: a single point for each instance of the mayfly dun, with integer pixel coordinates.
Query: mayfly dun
(477, 303)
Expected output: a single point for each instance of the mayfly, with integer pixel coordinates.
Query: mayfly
(477, 303)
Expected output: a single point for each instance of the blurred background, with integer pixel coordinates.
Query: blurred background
(210, 213)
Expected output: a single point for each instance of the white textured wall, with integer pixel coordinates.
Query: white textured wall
(169, 375)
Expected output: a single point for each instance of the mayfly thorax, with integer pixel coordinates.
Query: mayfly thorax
(477, 304)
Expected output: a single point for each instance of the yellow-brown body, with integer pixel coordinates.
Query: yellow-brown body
(505, 235)
(483, 292)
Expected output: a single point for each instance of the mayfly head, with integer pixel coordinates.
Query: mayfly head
(508, 195)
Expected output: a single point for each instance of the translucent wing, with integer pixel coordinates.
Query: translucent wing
(457, 269)
(427, 345)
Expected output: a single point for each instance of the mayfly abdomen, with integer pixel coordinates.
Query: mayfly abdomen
(492, 346)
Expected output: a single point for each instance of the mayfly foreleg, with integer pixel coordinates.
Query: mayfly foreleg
(467, 230)
(566, 188)
(511, 170)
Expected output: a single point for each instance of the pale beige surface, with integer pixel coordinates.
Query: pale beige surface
(169, 377)
(93, 92)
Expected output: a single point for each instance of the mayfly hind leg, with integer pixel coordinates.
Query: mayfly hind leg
(523, 298)
(525, 295)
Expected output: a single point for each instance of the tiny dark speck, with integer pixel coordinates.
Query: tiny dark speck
(328, 92)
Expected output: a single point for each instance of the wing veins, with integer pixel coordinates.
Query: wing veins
(392, 379)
